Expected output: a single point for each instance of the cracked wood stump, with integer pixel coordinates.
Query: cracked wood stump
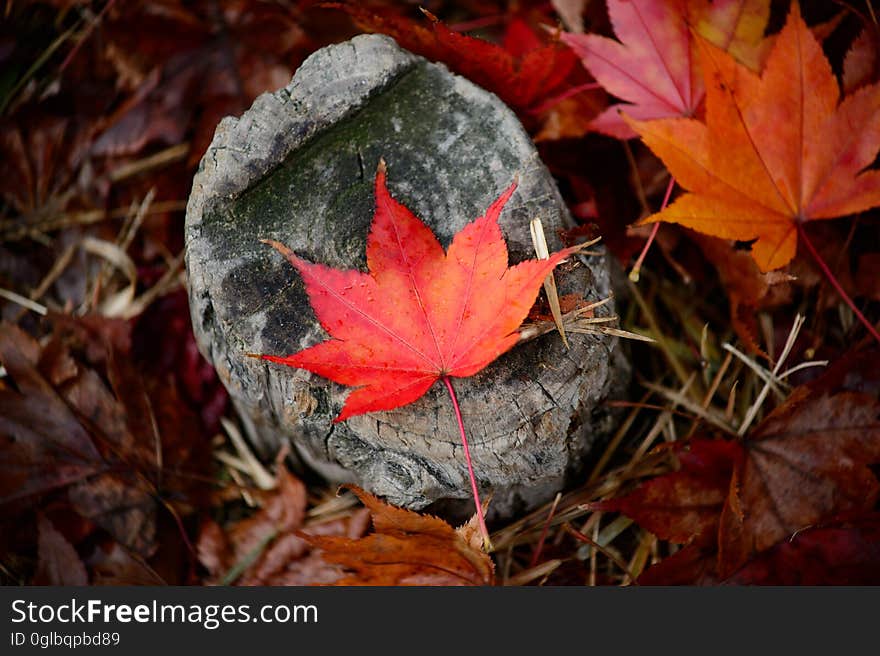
(298, 167)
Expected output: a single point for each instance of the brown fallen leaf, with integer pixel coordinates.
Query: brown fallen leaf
(117, 452)
(38, 426)
(806, 463)
(58, 563)
(113, 564)
(861, 66)
(737, 504)
(271, 547)
(842, 553)
(407, 548)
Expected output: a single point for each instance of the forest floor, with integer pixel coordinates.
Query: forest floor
(748, 440)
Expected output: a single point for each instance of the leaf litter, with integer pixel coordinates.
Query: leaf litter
(103, 130)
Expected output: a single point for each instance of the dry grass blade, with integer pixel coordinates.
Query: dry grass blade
(759, 401)
(170, 281)
(114, 305)
(572, 531)
(541, 571)
(246, 462)
(576, 322)
(767, 376)
(654, 325)
(615, 441)
(155, 161)
(706, 414)
(58, 267)
(543, 253)
(661, 424)
(803, 365)
(614, 332)
(333, 506)
(23, 301)
(30, 226)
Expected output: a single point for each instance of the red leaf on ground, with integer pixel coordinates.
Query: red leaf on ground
(520, 77)
(861, 66)
(118, 449)
(843, 553)
(846, 553)
(684, 504)
(694, 564)
(421, 313)
(41, 154)
(806, 463)
(407, 548)
(190, 64)
(113, 564)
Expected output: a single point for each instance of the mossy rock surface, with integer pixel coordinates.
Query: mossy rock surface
(299, 167)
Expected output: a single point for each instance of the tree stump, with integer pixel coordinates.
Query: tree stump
(298, 167)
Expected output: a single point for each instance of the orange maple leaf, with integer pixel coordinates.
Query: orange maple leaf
(776, 150)
(407, 548)
(654, 67)
(421, 314)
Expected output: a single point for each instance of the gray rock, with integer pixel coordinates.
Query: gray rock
(298, 167)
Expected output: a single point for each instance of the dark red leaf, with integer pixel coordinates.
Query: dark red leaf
(37, 427)
(521, 78)
(684, 504)
(58, 562)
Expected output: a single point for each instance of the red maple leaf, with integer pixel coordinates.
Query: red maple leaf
(524, 71)
(420, 314)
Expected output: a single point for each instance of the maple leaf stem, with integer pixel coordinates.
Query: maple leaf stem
(637, 267)
(487, 543)
(834, 282)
